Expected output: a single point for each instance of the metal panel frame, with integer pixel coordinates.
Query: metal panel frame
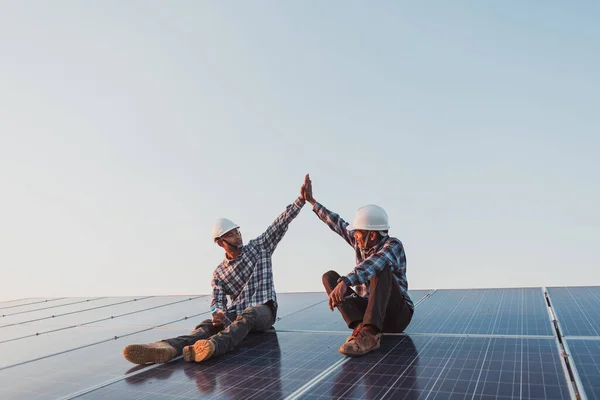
(582, 394)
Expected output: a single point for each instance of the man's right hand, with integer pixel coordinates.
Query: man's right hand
(218, 316)
(306, 190)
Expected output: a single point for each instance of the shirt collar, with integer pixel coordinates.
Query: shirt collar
(377, 247)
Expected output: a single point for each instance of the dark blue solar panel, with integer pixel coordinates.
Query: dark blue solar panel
(320, 318)
(275, 365)
(17, 351)
(269, 366)
(586, 359)
(450, 368)
(483, 311)
(77, 370)
(70, 372)
(577, 309)
(265, 366)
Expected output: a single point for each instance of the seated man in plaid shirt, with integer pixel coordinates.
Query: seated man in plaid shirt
(381, 302)
(246, 276)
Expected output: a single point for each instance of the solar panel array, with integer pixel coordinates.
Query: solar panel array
(522, 343)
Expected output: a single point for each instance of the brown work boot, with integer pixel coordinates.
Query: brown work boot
(157, 352)
(361, 343)
(355, 331)
(200, 351)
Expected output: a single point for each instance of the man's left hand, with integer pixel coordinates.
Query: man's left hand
(336, 297)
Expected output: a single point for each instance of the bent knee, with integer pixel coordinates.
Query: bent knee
(330, 276)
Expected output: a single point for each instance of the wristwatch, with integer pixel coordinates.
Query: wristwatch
(344, 279)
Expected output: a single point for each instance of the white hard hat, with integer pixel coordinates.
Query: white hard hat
(221, 227)
(370, 218)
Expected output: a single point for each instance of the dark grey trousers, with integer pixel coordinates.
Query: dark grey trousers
(253, 319)
(386, 309)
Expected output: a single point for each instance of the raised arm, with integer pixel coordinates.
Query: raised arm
(275, 232)
(333, 220)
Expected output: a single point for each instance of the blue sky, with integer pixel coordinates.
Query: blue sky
(127, 128)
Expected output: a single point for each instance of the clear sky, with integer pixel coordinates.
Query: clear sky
(127, 128)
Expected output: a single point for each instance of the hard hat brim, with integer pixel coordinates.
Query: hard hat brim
(221, 234)
(372, 228)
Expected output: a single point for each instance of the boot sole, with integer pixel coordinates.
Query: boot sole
(141, 354)
(200, 351)
(188, 353)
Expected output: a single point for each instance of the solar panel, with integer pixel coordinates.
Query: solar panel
(280, 365)
(17, 351)
(577, 309)
(445, 363)
(320, 318)
(55, 311)
(484, 311)
(72, 371)
(586, 360)
(450, 368)
(265, 366)
(23, 302)
(40, 305)
(121, 313)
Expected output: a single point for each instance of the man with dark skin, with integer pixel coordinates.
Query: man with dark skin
(373, 297)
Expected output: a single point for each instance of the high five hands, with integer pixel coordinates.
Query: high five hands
(306, 190)
(336, 297)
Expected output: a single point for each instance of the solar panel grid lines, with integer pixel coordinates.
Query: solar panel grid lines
(577, 309)
(13, 300)
(62, 368)
(73, 312)
(96, 342)
(267, 365)
(351, 377)
(448, 360)
(26, 302)
(422, 299)
(54, 306)
(468, 311)
(451, 367)
(585, 356)
(480, 361)
(112, 317)
(317, 379)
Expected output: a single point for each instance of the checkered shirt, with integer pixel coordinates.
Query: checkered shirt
(248, 279)
(388, 253)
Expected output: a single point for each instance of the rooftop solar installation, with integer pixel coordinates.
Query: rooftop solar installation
(577, 309)
(471, 343)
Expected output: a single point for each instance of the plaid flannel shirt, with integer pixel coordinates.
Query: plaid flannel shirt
(248, 279)
(388, 253)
